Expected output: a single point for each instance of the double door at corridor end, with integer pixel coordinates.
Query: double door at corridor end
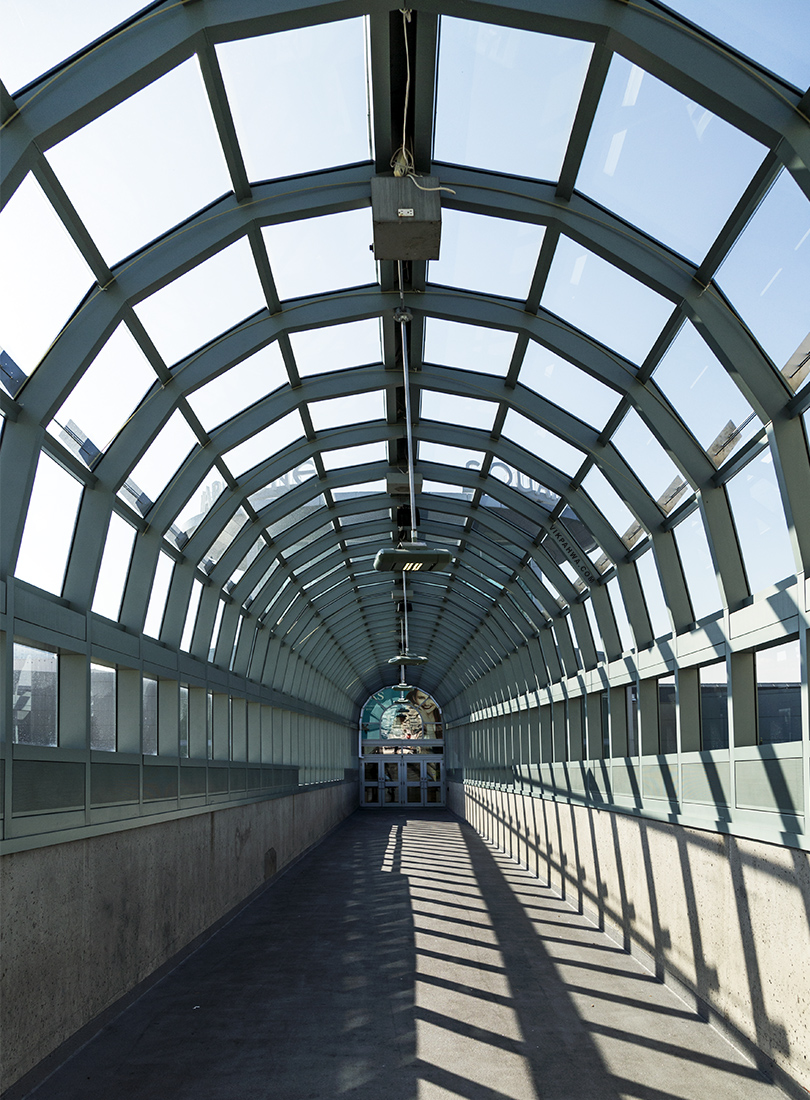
(401, 781)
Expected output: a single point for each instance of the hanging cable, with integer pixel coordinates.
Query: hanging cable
(403, 316)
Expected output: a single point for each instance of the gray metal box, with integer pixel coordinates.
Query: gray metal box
(407, 220)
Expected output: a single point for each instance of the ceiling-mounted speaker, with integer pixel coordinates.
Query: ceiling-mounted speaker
(407, 216)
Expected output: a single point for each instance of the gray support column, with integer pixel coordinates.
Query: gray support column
(618, 721)
(239, 730)
(74, 701)
(546, 734)
(687, 683)
(168, 717)
(128, 704)
(630, 586)
(576, 728)
(221, 730)
(197, 723)
(648, 716)
(559, 730)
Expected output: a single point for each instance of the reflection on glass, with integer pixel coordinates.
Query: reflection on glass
(698, 567)
(567, 386)
(112, 575)
(35, 696)
(653, 182)
(484, 72)
(603, 301)
(756, 505)
(491, 255)
(319, 254)
(102, 707)
(766, 275)
(49, 524)
(146, 164)
(198, 505)
(225, 538)
(208, 300)
(649, 462)
(43, 276)
(704, 395)
(714, 706)
(318, 130)
(238, 388)
(779, 683)
(336, 347)
(470, 347)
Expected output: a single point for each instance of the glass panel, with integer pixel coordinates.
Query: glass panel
(610, 504)
(492, 255)
(620, 614)
(321, 254)
(767, 273)
(414, 794)
(485, 72)
(567, 386)
(184, 720)
(595, 631)
(238, 388)
(696, 559)
(158, 596)
(211, 298)
(145, 165)
(35, 696)
(704, 396)
(191, 615)
(649, 149)
(104, 398)
(43, 276)
(49, 524)
(149, 689)
(776, 42)
(102, 707)
(649, 461)
(355, 456)
(215, 635)
(321, 350)
(603, 301)
(471, 347)
(653, 594)
(281, 485)
(338, 411)
(451, 408)
(261, 446)
(756, 505)
(714, 706)
(112, 575)
(163, 457)
(779, 685)
(199, 503)
(315, 131)
(371, 795)
(450, 456)
(667, 716)
(225, 538)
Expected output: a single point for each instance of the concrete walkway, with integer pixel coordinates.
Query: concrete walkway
(407, 959)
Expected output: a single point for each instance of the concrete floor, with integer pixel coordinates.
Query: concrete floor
(407, 959)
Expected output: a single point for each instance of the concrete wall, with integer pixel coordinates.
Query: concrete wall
(86, 921)
(724, 920)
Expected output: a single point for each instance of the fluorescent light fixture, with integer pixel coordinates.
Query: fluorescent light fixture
(407, 659)
(412, 556)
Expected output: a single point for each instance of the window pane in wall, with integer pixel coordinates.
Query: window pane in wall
(209, 713)
(667, 724)
(632, 719)
(35, 696)
(701, 580)
(779, 693)
(191, 615)
(756, 505)
(49, 525)
(653, 594)
(620, 614)
(112, 576)
(714, 706)
(102, 707)
(150, 716)
(184, 720)
(160, 592)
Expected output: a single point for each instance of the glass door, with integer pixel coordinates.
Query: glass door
(402, 781)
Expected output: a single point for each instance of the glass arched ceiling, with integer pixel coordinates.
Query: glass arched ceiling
(203, 425)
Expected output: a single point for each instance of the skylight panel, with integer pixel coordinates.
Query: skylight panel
(355, 456)
(698, 567)
(191, 615)
(507, 98)
(338, 411)
(470, 347)
(759, 517)
(567, 386)
(158, 595)
(164, 455)
(490, 255)
(281, 485)
(325, 122)
(199, 503)
(322, 350)
(777, 42)
(49, 525)
(603, 301)
(620, 614)
(36, 37)
(653, 594)
(545, 444)
(703, 394)
(656, 184)
(105, 396)
(43, 276)
(264, 444)
(145, 165)
(767, 273)
(452, 408)
(450, 456)
(649, 461)
(608, 501)
(320, 254)
(206, 301)
(238, 388)
(112, 575)
(225, 538)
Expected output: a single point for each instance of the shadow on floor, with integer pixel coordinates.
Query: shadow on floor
(407, 959)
